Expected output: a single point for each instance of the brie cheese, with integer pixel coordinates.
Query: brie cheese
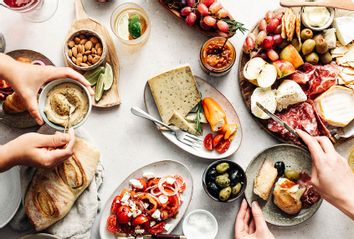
(288, 93)
(344, 29)
(266, 97)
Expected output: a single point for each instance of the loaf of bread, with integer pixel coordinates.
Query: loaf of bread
(53, 192)
(265, 180)
(14, 104)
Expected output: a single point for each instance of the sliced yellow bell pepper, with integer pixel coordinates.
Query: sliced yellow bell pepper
(215, 115)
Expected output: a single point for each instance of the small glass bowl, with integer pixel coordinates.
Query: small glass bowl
(116, 18)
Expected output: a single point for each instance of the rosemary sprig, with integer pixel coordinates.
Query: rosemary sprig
(235, 26)
(198, 117)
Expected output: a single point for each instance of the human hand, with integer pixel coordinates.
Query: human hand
(27, 79)
(37, 150)
(331, 174)
(250, 223)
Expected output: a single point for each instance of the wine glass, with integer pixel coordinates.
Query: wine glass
(32, 10)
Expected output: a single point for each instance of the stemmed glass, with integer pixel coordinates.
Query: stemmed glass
(32, 10)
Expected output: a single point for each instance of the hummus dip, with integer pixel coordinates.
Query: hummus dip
(63, 98)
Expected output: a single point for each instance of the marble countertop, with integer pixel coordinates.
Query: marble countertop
(127, 142)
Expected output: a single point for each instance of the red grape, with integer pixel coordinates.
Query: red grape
(209, 21)
(272, 55)
(249, 44)
(272, 25)
(278, 30)
(208, 2)
(278, 39)
(269, 15)
(186, 11)
(223, 26)
(202, 9)
(191, 3)
(260, 37)
(262, 25)
(222, 13)
(215, 7)
(268, 42)
(279, 16)
(191, 18)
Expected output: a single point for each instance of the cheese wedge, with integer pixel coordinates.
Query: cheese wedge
(336, 106)
(174, 90)
(344, 29)
(266, 97)
(178, 121)
(265, 180)
(192, 116)
(288, 93)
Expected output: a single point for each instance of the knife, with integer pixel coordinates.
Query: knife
(165, 236)
(341, 4)
(278, 120)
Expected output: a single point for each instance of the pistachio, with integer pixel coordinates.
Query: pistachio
(71, 44)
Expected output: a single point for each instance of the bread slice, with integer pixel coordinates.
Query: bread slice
(174, 90)
(178, 121)
(265, 180)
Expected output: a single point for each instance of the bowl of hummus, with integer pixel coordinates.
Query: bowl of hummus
(64, 103)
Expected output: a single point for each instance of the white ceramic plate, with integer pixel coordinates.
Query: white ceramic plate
(206, 90)
(160, 169)
(10, 194)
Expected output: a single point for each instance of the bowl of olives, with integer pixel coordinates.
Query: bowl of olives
(224, 181)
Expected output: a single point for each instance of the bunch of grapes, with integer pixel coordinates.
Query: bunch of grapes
(208, 13)
(267, 38)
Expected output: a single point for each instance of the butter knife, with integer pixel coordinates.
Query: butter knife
(164, 236)
(278, 120)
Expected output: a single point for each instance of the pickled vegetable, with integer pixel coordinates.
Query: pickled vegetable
(236, 189)
(222, 168)
(223, 181)
(225, 194)
(292, 175)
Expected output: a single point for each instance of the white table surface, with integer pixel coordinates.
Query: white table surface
(128, 142)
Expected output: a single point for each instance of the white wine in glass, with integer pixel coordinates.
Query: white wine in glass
(32, 10)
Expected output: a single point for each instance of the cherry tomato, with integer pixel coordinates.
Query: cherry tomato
(122, 214)
(181, 183)
(217, 139)
(112, 224)
(144, 183)
(171, 209)
(223, 146)
(208, 142)
(158, 228)
(141, 219)
(115, 205)
(153, 182)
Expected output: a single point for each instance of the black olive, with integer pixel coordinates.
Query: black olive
(280, 166)
(235, 177)
(211, 175)
(213, 189)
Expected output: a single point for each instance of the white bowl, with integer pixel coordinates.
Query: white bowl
(43, 98)
(201, 212)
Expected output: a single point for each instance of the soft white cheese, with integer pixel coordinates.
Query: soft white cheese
(330, 37)
(163, 199)
(344, 29)
(139, 231)
(157, 215)
(153, 223)
(136, 213)
(168, 226)
(148, 175)
(288, 93)
(136, 183)
(170, 180)
(126, 197)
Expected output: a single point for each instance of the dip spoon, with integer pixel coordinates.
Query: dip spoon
(72, 108)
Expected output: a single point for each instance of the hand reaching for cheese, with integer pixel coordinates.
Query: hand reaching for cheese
(33, 149)
(331, 174)
(26, 80)
(250, 223)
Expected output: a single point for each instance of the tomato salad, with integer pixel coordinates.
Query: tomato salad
(145, 207)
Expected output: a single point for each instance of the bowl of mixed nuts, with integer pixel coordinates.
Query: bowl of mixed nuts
(85, 50)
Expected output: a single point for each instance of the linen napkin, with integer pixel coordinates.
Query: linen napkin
(78, 222)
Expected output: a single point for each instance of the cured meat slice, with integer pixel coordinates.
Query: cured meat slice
(300, 116)
(310, 196)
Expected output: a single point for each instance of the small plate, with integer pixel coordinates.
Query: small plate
(295, 158)
(161, 168)
(40, 236)
(10, 194)
(202, 213)
(206, 90)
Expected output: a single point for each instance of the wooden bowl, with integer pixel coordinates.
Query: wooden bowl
(86, 33)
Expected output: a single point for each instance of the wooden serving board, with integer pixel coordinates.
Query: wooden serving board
(84, 22)
(196, 26)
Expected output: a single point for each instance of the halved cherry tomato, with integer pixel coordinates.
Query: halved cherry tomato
(181, 183)
(158, 228)
(115, 205)
(223, 146)
(141, 219)
(208, 142)
(122, 214)
(153, 182)
(147, 198)
(217, 139)
(112, 224)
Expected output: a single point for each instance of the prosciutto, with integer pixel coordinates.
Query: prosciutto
(310, 196)
(316, 79)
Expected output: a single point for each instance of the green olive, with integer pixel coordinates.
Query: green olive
(223, 180)
(308, 46)
(326, 58)
(236, 189)
(222, 168)
(296, 44)
(312, 58)
(292, 175)
(306, 34)
(225, 194)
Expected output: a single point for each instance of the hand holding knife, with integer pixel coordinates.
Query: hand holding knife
(158, 236)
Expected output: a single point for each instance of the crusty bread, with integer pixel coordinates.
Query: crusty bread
(53, 192)
(14, 104)
(288, 199)
(265, 180)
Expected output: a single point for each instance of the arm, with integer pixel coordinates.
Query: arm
(32, 149)
(331, 174)
(27, 79)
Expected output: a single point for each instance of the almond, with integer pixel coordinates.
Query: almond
(98, 45)
(77, 40)
(88, 45)
(84, 58)
(70, 53)
(71, 44)
(74, 51)
(94, 40)
(73, 59)
(99, 51)
(83, 41)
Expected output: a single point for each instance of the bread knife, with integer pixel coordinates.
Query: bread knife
(278, 120)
